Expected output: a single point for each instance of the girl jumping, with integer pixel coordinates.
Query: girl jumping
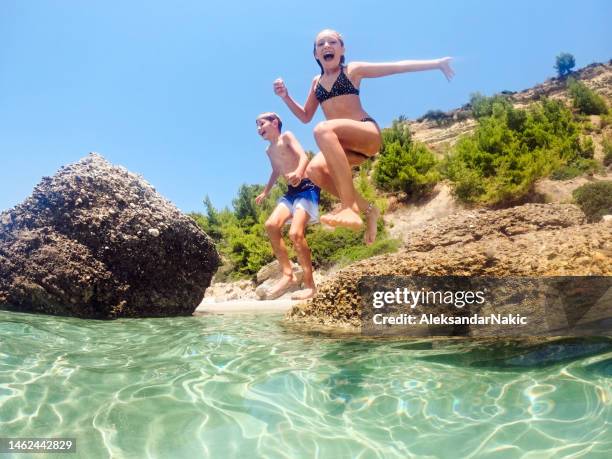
(349, 135)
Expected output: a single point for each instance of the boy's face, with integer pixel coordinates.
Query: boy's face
(266, 127)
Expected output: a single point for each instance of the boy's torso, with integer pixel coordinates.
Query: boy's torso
(284, 159)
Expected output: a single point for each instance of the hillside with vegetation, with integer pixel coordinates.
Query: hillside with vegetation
(490, 153)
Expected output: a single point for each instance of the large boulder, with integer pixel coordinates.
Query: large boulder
(98, 241)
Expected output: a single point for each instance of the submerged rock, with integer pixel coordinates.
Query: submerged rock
(98, 241)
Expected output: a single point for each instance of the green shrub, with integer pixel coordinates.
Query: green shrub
(586, 100)
(482, 106)
(595, 199)
(564, 64)
(512, 148)
(587, 148)
(351, 254)
(575, 169)
(607, 150)
(245, 208)
(582, 162)
(588, 127)
(468, 184)
(343, 246)
(404, 165)
(364, 187)
(398, 132)
(248, 250)
(325, 244)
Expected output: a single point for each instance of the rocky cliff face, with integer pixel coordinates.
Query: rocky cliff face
(459, 121)
(529, 240)
(98, 241)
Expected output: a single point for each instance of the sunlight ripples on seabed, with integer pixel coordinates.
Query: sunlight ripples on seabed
(241, 386)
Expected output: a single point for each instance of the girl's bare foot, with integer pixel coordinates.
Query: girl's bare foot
(304, 294)
(346, 217)
(281, 287)
(334, 211)
(371, 217)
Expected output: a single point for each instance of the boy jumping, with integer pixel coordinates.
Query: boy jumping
(300, 205)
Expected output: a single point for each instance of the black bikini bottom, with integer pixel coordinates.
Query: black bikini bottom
(365, 120)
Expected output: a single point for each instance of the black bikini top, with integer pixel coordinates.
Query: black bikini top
(341, 86)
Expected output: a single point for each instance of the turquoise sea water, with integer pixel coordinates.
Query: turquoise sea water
(249, 387)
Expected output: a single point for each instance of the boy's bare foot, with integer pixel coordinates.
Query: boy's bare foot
(281, 287)
(371, 218)
(304, 294)
(346, 217)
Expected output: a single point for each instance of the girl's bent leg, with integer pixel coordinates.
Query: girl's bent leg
(340, 171)
(318, 172)
(335, 137)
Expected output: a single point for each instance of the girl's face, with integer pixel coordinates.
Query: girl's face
(329, 48)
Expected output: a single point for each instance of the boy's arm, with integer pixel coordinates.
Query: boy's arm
(295, 177)
(271, 181)
(360, 70)
(304, 114)
(273, 177)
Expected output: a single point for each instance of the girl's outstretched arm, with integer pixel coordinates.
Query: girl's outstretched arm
(305, 113)
(360, 70)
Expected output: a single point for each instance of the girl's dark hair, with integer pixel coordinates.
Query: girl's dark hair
(314, 51)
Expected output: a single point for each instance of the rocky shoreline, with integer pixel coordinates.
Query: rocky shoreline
(256, 289)
(528, 240)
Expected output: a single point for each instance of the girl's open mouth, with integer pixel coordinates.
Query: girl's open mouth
(328, 56)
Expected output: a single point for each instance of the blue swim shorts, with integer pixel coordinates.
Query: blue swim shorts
(305, 196)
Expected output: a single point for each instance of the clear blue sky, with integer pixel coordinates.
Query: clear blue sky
(171, 89)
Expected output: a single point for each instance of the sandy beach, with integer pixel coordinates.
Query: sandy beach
(244, 306)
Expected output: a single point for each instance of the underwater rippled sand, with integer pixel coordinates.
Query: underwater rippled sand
(247, 387)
